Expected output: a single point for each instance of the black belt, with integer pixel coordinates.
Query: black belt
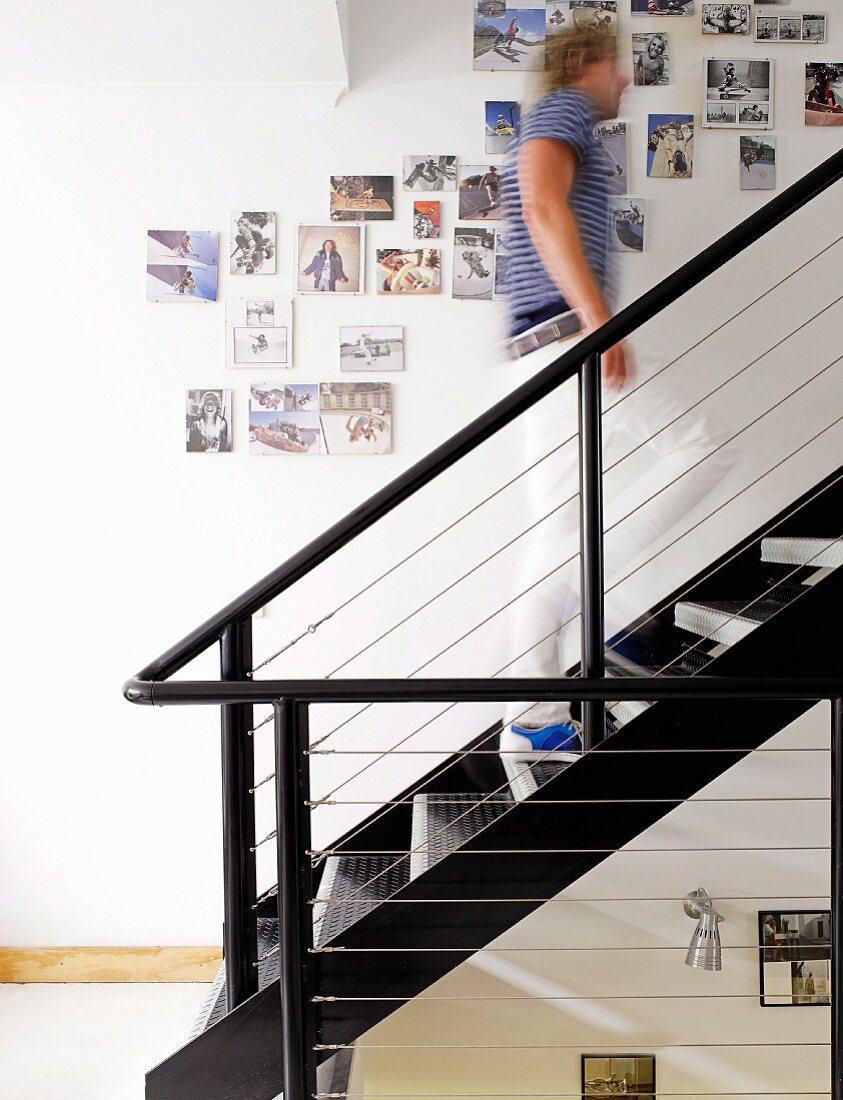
(558, 328)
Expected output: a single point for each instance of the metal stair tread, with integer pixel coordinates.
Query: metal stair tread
(725, 621)
(443, 822)
(526, 778)
(353, 886)
(815, 553)
(214, 1006)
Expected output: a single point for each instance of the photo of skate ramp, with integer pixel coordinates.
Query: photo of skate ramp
(181, 283)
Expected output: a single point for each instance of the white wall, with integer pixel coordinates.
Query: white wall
(118, 543)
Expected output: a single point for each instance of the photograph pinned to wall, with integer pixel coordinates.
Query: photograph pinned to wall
(596, 15)
(409, 271)
(824, 93)
(330, 259)
(607, 1075)
(748, 83)
(480, 191)
(726, 19)
(284, 419)
(503, 117)
(181, 265)
(757, 163)
(626, 223)
(259, 332)
(795, 958)
(662, 7)
(503, 255)
(514, 41)
(356, 417)
(650, 59)
(492, 9)
(474, 263)
(670, 146)
(427, 219)
(371, 347)
(813, 27)
(362, 198)
(430, 173)
(207, 429)
(803, 27)
(253, 242)
(610, 140)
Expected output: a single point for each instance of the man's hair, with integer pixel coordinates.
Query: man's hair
(567, 55)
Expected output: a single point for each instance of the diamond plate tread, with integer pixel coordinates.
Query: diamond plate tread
(365, 881)
(214, 1007)
(525, 778)
(444, 822)
(726, 621)
(625, 711)
(812, 552)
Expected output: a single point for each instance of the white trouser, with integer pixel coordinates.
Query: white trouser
(542, 645)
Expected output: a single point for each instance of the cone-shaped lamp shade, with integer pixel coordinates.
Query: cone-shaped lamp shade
(705, 952)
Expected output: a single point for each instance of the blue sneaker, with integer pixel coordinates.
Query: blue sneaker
(562, 742)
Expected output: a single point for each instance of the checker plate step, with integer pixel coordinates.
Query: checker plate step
(355, 885)
(444, 822)
(214, 1007)
(726, 621)
(525, 779)
(815, 553)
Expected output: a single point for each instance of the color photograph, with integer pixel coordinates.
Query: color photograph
(253, 242)
(746, 83)
(208, 421)
(610, 139)
(259, 333)
(650, 59)
(474, 263)
(181, 265)
(430, 173)
(670, 146)
(662, 7)
(824, 93)
(757, 163)
(725, 19)
(371, 347)
(330, 259)
(427, 219)
(606, 1075)
(514, 42)
(503, 117)
(410, 271)
(176, 246)
(480, 192)
(356, 417)
(598, 15)
(626, 223)
(362, 198)
(275, 433)
(795, 958)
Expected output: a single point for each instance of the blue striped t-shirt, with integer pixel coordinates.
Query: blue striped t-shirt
(568, 115)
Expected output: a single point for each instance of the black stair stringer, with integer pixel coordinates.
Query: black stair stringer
(494, 865)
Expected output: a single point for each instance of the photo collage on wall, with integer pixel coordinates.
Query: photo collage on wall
(738, 93)
(181, 265)
(794, 27)
(311, 418)
(259, 332)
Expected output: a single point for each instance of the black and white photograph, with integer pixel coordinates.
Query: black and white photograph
(474, 263)
(430, 173)
(793, 27)
(208, 421)
(330, 259)
(824, 93)
(362, 198)
(502, 260)
(480, 192)
(670, 146)
(259, 333)
(813, 27)
(610, 139)
(598, 15)
(253, 242)
(650, 59)
(662, 7)
(757, 163)
(513, 42)
(721, 114)
(744, 82)
(371, 347)
(626, 223)
(409, 271)
(356, 417)
(607, 1075)
(181, 265)
(726, 19)
(795, 958)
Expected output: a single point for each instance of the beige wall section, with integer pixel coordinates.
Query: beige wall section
(625, 988)
(57, 965)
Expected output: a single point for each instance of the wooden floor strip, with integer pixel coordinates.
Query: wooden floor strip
(56, 965)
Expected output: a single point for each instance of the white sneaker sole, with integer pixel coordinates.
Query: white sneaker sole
(519, 749)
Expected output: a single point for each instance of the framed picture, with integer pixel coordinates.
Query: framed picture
(356, 417)
(371, 347)
(259, 332)
(607, 1075)
(792, 27)
(610, 139)
(480, 192)
(598, 15)
(362, 198)
(253, 242)
(824, 93)
(430, 173)
(511, 42)
(795, 958)
(284, 419)
(650, 59)
(409, 271)
(726, 19)
(757, 163)
(626, 223)
(662, 7)
(503, 117)
(208, 421)
(474, 263)
(330, 259)
(427, 219)
(670, 146)
(181, 265)
(738, 92)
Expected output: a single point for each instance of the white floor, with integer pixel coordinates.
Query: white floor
(89, 1042)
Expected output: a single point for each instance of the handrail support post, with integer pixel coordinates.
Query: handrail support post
(836, 899)
(592, 654)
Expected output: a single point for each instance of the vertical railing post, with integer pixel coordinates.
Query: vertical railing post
(836, 899)
(240, 932)
(292, 787)
(592, 659)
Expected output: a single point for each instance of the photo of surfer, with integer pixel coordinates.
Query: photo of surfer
(480, 192)
(626, 223)
(356, 417)
(208, 421)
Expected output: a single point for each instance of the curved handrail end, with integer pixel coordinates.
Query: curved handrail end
(139, 691)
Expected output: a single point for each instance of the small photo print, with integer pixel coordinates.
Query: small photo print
(330, 259)
(430, 173)
(207, 428)
(480, 191)
(276, 432)
(302, 397)
(253, 242)
(795, 958)
(753, 114)
(757, 163)
(662, 7)
(503, 254)
(813, 28)
(356, 417)
(824, 93)
(606, 1075)
(260, 346)
(181, 283)
(427, 219)
(474, 264)
(410, 271)
(766, 28)
(725, 19)
(610, 139)
(182, 246)
(626, 228)
(721, 114)
(503, 117)
(260, 313)
(259, 332)
(492, 9)
(371, 347)
(651, 59)
(670, 146)
(596, 15)
(362, 198)
(512, 42)
(741, 81)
